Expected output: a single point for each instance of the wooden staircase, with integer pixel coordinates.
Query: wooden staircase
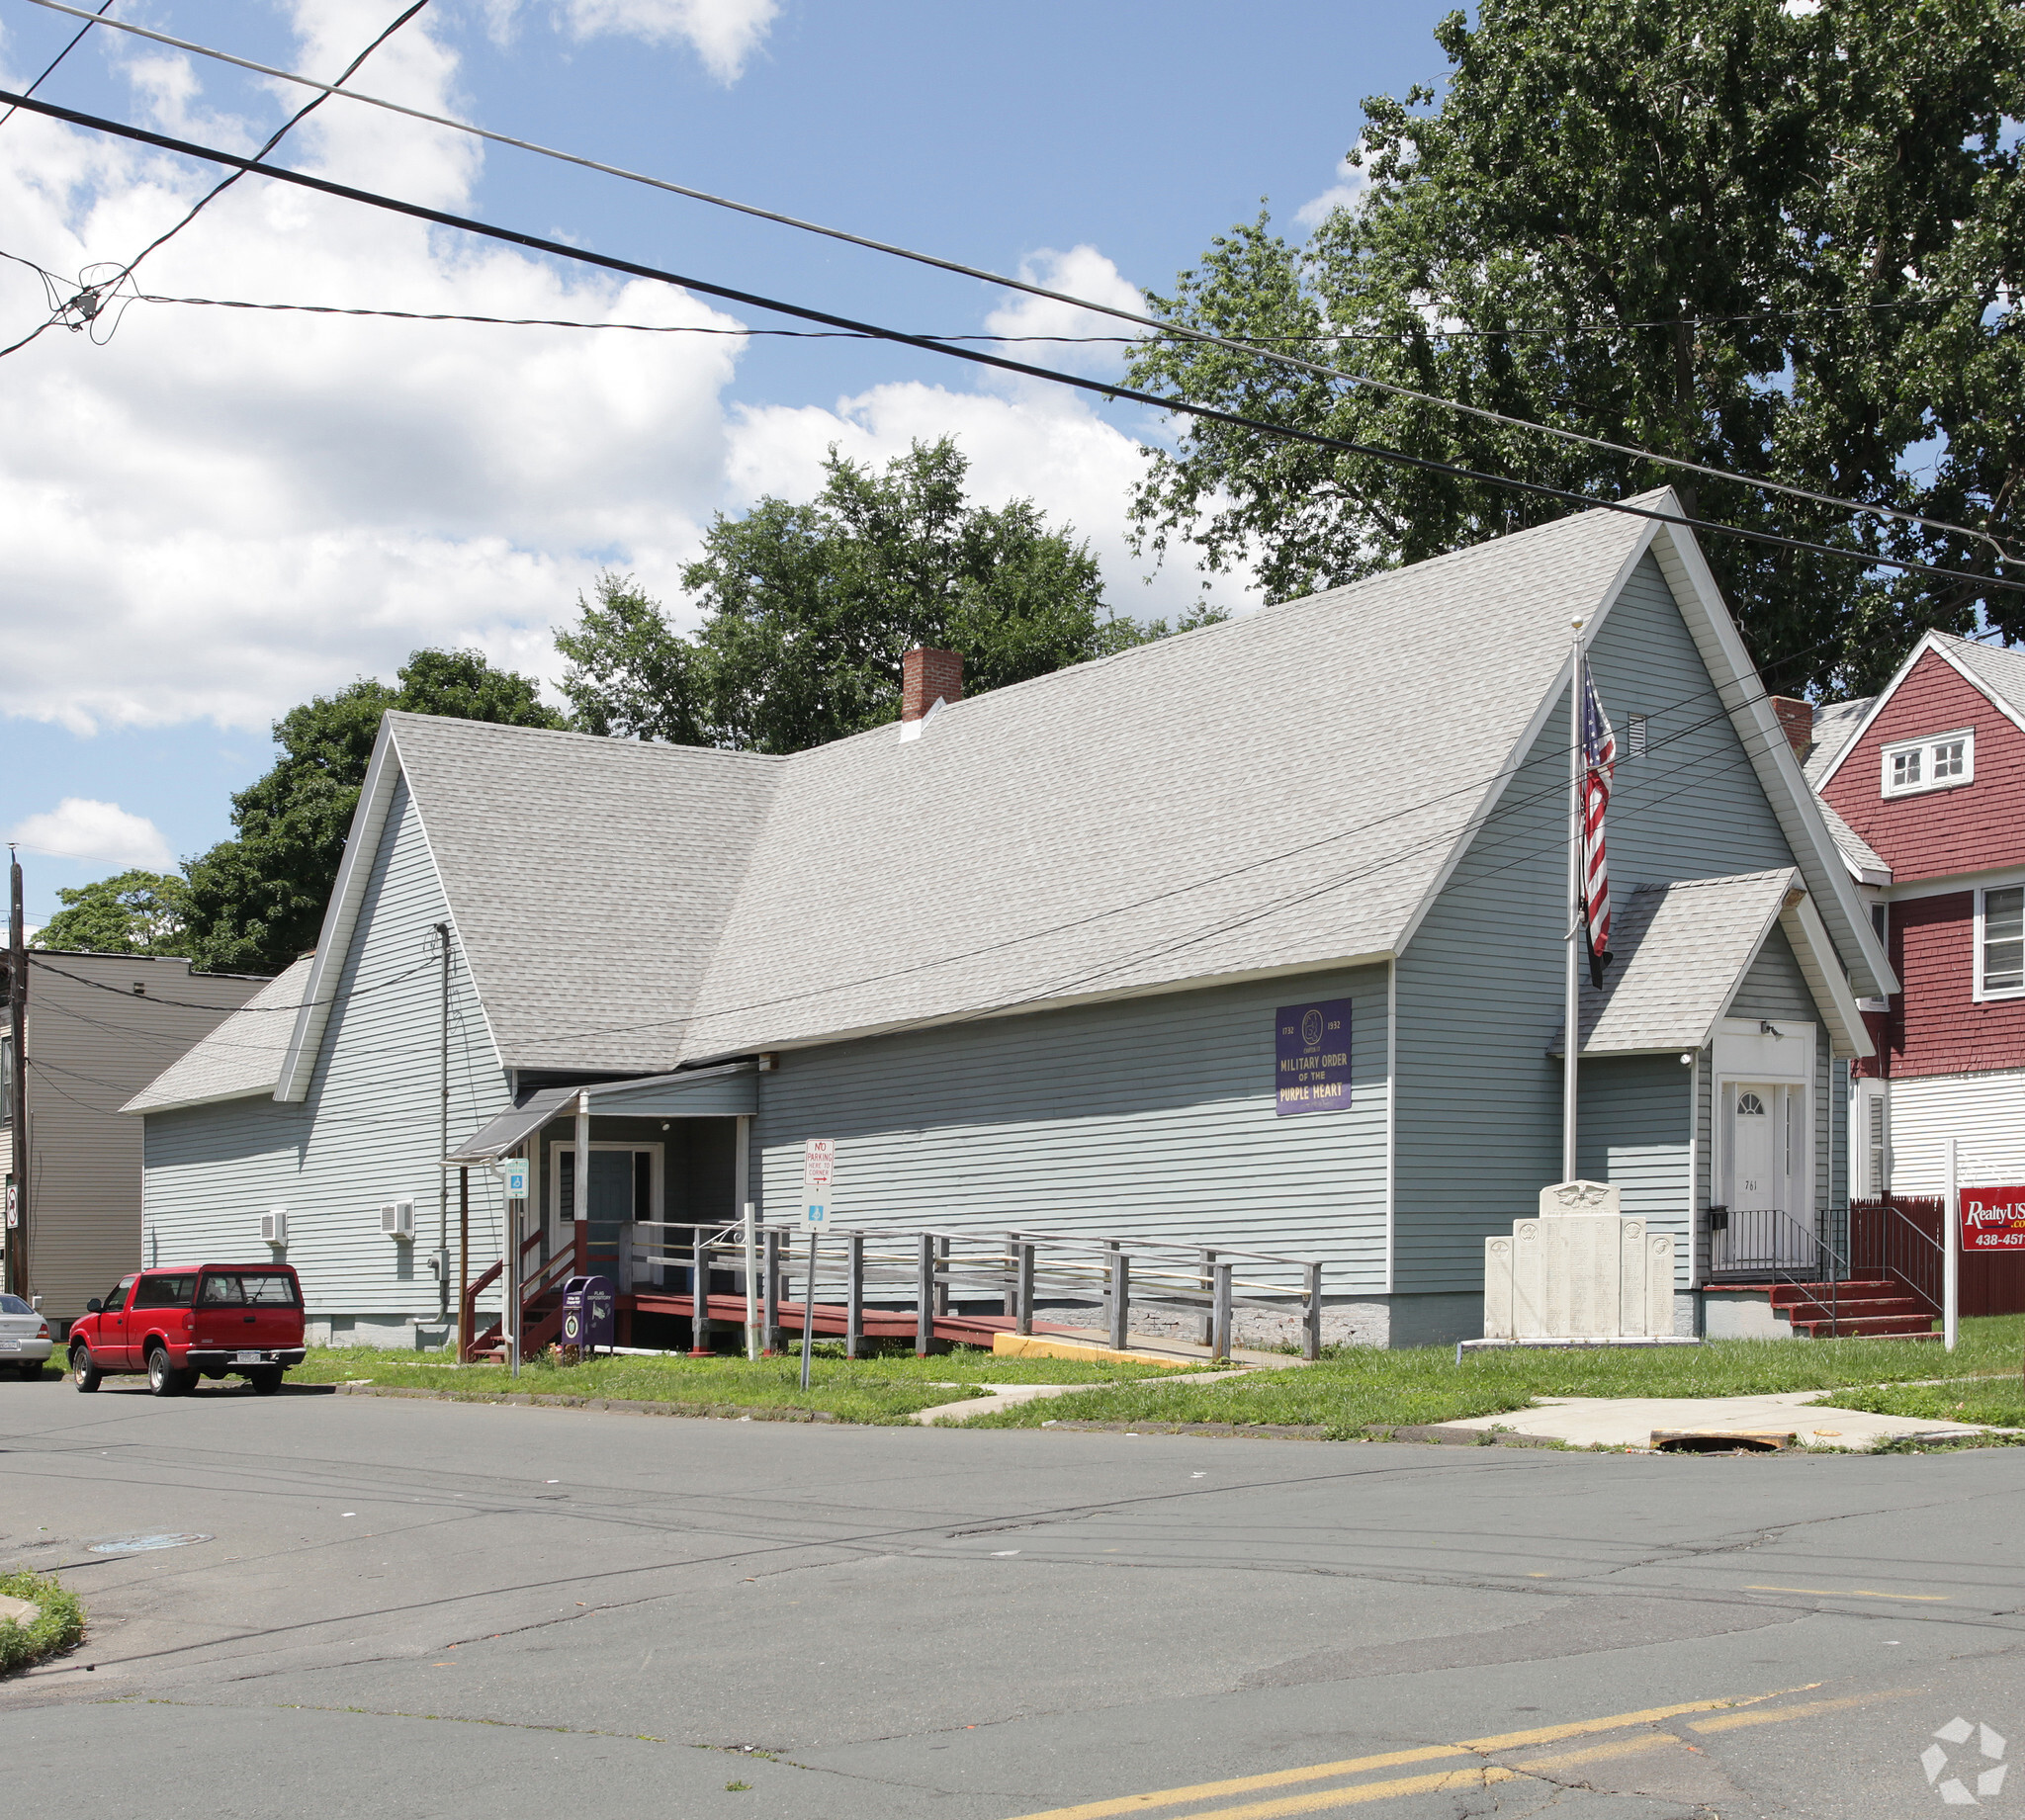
(1878, 1309)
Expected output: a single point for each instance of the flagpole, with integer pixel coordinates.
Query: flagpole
(1571, 1043)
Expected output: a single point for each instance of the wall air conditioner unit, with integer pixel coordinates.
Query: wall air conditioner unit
(274, 1225)
(397, 1219)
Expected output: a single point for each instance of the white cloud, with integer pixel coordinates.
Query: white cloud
(80, 828)
(1082, 272)
(219, 512)
(1351, 183)
(724, 33)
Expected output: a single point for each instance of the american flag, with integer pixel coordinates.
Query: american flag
(1599, 761)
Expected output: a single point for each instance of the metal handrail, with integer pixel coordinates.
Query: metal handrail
(1826, 1264)
(1893, 1259)
(931, 1269)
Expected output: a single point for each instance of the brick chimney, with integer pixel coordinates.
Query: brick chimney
(926, 678)
(1796, 717)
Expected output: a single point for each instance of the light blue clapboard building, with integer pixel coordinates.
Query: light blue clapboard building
(1026, 960)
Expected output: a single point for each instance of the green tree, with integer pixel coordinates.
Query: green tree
(806, 610)
(256, 900)
(133, 912)
(1782, 243)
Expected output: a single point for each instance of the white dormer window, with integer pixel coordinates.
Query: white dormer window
(1940, 761)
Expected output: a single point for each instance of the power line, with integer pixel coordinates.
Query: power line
(186, 1005)
(1468, 830)
(1183, 331)
(51, 69)
(91, 298)
(1110, 390)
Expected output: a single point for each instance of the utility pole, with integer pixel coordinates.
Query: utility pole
(443, 1147)
(17, 1030)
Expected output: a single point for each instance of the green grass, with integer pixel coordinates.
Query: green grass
(1997, 1401)
(59, 1628)
(888, 1388)
(1358, 1386)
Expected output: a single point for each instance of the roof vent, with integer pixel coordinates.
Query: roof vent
(927, 680)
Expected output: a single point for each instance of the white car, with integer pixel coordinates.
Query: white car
(24, 1337)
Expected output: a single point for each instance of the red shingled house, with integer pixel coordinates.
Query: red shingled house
(1927, 779)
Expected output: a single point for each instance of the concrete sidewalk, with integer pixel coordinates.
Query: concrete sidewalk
(1629, 1422)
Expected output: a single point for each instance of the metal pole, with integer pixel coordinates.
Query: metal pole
(854, 1296)
(464, 1321)
(1120, 1296)
(1951, 1255)
(924, 1299)
(515, 1211)
(809, 1310)
(770, 1319)
(1571, 1042)
(17, 1029)
(1024, 1313)
(443, 1148)
(751, 1282)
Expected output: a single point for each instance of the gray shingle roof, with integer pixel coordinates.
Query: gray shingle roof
(1835, 724)
(1239, 798)
(1998, 668)
(1862, 856)
(589, 878)
(241, 1057)
(1680, 950)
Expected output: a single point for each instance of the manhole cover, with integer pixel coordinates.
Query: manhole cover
(141, 1544)
(1723, 1440)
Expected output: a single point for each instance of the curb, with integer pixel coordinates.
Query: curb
(617, 1405)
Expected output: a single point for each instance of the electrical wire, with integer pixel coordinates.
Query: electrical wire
(1467, 831)
(1140, 319)
(89, 302)
(357, 991)
(51, 69)
(1110, 390)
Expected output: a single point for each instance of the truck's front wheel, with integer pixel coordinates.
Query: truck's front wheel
(83, 1372)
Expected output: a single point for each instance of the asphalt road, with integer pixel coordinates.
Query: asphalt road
(418, 1609)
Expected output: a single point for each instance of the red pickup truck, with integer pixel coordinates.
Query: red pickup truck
(193, 1321)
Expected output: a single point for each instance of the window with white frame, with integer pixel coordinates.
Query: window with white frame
(1940, 761)
(2000, 942)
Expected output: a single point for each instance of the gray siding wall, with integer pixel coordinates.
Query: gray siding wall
(1479, 1131)
(1634, 1133)
(1150, 1118)
(91, 1047)
(366, 1133)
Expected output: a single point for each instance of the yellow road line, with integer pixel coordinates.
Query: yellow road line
(1477, 1775)
(1856, 1591)
(1314, 1772)
(1596, 1752)
(1772, 1715)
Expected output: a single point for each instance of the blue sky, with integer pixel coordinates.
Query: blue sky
(215, 514)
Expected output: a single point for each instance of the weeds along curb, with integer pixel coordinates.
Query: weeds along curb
(618, 1405)
(59, 1628)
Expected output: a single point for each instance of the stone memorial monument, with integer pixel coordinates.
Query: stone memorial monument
(1581, 1270)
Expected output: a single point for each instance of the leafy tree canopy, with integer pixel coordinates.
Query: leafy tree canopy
(1784, 242)
(256, 900)
(133, 912)
(806, 610)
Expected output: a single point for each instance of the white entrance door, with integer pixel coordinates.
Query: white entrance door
(1764, 1128)
(1757, 1157)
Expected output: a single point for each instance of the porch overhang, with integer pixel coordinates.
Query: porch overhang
(1681, 952)
(730, 1090)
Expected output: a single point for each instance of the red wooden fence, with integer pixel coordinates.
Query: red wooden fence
(1905, 1246)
